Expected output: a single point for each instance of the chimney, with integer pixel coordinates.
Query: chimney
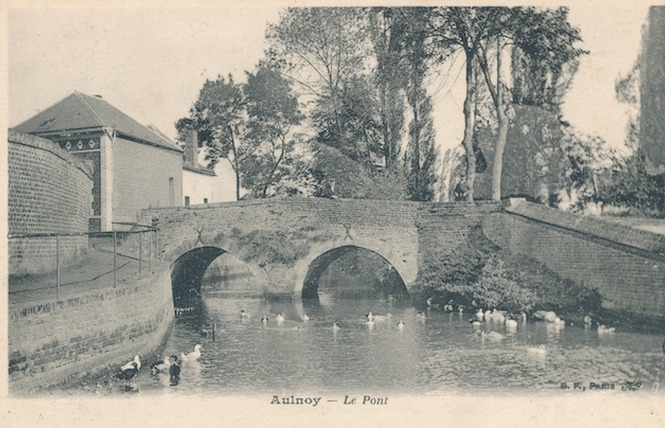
(191, 148)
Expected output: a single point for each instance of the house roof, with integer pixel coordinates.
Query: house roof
(80, 111)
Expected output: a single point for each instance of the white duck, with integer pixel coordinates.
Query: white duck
(335, 327)
(160, 366)
(279, 318)
(130, 364)
(192, 356)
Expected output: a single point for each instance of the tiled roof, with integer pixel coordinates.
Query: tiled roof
(80, 111)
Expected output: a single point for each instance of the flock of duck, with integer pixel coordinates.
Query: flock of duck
(171, 365)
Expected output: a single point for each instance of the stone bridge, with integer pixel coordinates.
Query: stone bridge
(288, 243)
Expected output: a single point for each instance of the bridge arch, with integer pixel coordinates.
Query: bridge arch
(321, 255)
(191, 259)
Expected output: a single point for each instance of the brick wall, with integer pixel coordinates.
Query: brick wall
(141, 178)
(50, 191)
(60, 342)
(626, 265)
(401, 232)
(311, 226)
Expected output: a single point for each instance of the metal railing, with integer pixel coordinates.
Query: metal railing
(42, 261)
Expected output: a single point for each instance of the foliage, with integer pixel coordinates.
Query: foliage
(352, 179)
(494, 289)
(628, 184)
(251, 125)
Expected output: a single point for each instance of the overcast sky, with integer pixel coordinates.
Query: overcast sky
(151, 63)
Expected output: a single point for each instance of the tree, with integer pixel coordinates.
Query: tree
(251, 125)
(388, 28)
(217, 115)
(652, 91)
(463, 28)
(323, 49)
(421, 153)
(273, 113)
(545, 40)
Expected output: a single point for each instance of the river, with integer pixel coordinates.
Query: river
(439, 354)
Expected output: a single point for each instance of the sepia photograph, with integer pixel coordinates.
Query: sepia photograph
(295, 213)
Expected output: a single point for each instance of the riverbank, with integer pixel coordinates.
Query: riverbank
(99, 322)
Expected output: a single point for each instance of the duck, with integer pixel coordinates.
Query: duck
(334, 327)
(381, 318)
(129, 365)
(494, 336)
(523, 316)
(587, 320)
(305, 317)
(479, 314)
(421, 315)
(160, 366)
(448, 307)
(460, 309)
(400, 324)
(487, 315)
(279, 318)
(243, 314)
(475, 322)
(264, 320)
(497, 316)
(537, 350)
(603, 329)
(369, 316)
(559, 322)
(127, 373)
(192, 356)
(511, 324)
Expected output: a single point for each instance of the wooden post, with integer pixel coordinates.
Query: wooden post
(150, 254)
(115, 261)
(57, 263)
(140, 252)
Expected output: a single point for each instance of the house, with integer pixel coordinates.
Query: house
(201, 185)
(134, 167)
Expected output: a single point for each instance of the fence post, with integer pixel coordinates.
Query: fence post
(140, 252)
(150, 254)
(115, 261)
(57, 263)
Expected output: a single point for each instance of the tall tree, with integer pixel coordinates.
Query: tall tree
(463, 28)
(251, 125)
(546, 41)
(217, 115)
(323, 49)
(273, 114)
(388, 30)
(652, 91)
(420, 157)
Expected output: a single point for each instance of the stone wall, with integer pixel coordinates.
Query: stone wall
(624, 264)
(50, 191)
(59, 342)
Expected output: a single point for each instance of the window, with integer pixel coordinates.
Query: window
(186, 201)
(205, 200)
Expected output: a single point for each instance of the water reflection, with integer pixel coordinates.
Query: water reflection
(435, 354)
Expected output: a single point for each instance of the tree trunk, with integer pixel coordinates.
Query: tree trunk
(499, 147)
(502, 119)
(469, 118)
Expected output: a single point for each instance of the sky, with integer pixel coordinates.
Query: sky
(151, 63)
